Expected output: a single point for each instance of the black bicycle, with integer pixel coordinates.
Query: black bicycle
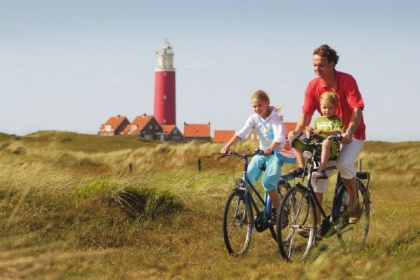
(297, 224)
(246, 209)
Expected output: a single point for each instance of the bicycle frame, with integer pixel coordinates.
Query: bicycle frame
(239, 219)
(300, 210)
(250, 189)
(329, 221)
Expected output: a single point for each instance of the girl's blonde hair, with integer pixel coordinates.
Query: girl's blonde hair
(330, 97)
(260, 95)
(263, 96)
(278, 108)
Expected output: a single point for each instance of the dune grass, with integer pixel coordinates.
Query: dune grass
(88, 207)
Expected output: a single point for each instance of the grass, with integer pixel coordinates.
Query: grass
(88, 207)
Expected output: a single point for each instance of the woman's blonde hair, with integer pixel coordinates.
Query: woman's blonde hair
(330, 97)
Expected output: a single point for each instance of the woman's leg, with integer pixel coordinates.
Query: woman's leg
(271, 178)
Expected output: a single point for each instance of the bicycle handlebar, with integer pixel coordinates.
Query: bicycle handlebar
(317, 142)
(233, 153)
(337, 137)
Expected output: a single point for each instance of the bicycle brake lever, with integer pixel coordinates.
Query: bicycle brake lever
(259, 152)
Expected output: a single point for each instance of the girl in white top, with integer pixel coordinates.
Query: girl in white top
(272, 135)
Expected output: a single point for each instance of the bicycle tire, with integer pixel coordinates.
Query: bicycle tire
(354, 236)
(282, 187)
(238, 221)
(273, 227)
(296, 224)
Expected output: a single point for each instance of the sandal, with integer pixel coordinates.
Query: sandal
(319, 236)
(321, 174)
(354, 213)
(297, 172)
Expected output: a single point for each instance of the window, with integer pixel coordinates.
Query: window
(133, 127)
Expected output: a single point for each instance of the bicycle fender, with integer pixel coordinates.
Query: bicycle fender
(335, 213)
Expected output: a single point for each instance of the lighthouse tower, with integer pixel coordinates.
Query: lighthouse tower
(165, 107)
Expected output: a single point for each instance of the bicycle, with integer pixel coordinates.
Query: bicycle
(300, 234)
(238, 215)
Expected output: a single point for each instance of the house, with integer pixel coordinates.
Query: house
(170, 133)
(113, 126)
(145, 126)
(289, 126)
(197, 132)
(222, 136)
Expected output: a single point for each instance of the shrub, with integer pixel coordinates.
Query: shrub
(93, 188)
(148, 202)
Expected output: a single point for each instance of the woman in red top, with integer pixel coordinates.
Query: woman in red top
(350, 109)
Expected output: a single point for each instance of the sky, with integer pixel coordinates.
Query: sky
(69, 65)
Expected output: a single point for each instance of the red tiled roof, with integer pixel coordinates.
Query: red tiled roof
(197, 130)
(142, 120)
(223, 135)
(113, 122)
(137, 124)
(131, 130)
(167, 128)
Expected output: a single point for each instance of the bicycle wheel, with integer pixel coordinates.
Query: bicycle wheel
(282, 187)
(296, 224)
(273, 227)
(354, 235)
(237, 223)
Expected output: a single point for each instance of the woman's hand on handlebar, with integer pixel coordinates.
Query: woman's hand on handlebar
(224, 150)
(268, 151)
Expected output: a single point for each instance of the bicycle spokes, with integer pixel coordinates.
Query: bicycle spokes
(354, 235)
(296, 224)
(237, 223)
(239, 216)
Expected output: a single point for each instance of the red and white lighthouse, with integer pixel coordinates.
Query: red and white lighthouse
(165, 105)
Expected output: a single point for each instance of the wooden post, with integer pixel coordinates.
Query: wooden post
(199, 165)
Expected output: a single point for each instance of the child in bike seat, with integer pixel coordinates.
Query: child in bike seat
(325, 125)
(271, 134)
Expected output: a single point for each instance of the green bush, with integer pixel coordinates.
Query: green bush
(148, 202)
(98, 186)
